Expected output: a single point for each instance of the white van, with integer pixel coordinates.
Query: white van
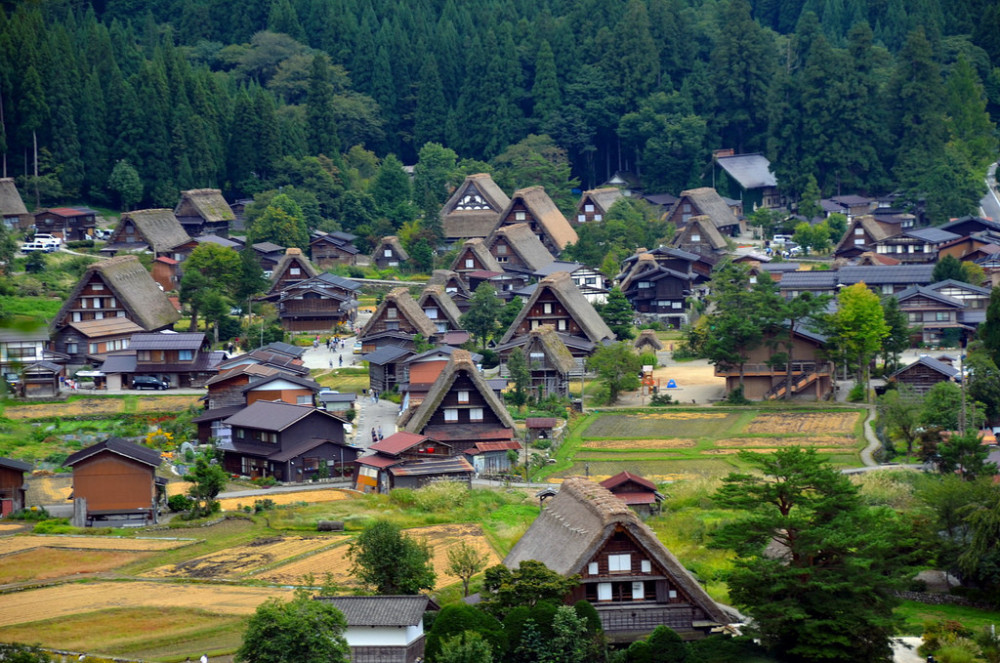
(781, 239)
(48, 240)
(31, 247)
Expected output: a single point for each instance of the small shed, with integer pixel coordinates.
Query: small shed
(385, 366)
(41, 379)
(492, 457)
(12, 489)
(647, 342)
(383, 628)
(924, 373)
(639, 493)
(115, 480)
(540, 428)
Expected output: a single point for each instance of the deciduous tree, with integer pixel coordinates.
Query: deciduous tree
(527, 585)
(391, 562)
(860, 327)
(617, 367)
(465, 561)
(484, 309)
(295, 631)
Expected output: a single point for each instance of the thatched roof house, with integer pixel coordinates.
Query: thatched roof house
(558, 301)
(534, 207)
(473, 209)
(706, 201)
(516, 247)
(396, 321)
(389, 253)
(474, 256)
(157, 229)
(293, 267)
(12, 208)
(700, 236)
(630, 577)
(647, 342)
(204, 212)
(440, 308)
(595, 203)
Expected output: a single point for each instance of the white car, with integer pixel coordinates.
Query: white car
(47, 240)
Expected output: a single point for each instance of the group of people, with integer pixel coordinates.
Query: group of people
(377, 434)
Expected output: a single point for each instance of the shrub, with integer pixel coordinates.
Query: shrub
(441, 496)
(403, 497)
(265, 482)
(649, 359)
(661, 398)
(178, 503)
(857, 394)
(36, 513)
(736, 397)
(684, 351)
(80, 244)
(54, 526)
(264, 505)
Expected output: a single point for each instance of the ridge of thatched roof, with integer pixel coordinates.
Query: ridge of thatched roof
(877, 230)
(131, 285)
(443, 301)
(583, 515)
(159, 228)
(603, 198)
(524, 243)
(553, 347)
(710, 204)
(296, 255)
(647, 337)
(459, 362)
(401, 299)
(393, 242)
(461, 223)
(561, 284)
(541, 207)
(709, 233)
(643, 262)
(206, 203)
(10, 199)
(477, 247)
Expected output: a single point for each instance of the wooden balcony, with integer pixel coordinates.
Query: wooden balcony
(778, 370)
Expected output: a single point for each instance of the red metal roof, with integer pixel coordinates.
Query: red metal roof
(483, 447)
(70, 211)
(379, 461)
(541, 422)
(623, 477)
(397, 443)
(166, 260)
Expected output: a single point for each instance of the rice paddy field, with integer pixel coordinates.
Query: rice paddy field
(669, 444)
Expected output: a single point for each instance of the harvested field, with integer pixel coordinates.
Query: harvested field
(639, 444)
(178, 488)
(770, 449)
(50, 490)
(16, 544)
(654, 470)
(165, 403)
(336, 562)
(241, 560)
(805, 441)
(655, 424)
(47, 563)
(73, 599)
(804, 422)
(82, 407)
(282, 499)
(12, 527)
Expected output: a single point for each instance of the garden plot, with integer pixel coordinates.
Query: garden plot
(16, 544)
(638, 445)
(48, 563)
(82, 407)
(336, 562)
(804, 422)
(655, 425)
(838, 442)
(74, 599)
(284, 499)
(244, 559)
(165, 403)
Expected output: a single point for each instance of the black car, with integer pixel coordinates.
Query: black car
(149, 382)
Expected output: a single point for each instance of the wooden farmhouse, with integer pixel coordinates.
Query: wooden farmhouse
(660, 289)
(293, 267)
(15, 214)
(317, 304)
(421, 371)
(19, 347)
(812, 372)
(70, 223)
(396, 321)
(460, 409)
(919, 245)
(924, 373)
(154, 230)
(595, 204)
(706, 201)
(390, 253)
(863, 234)
(268, 255)
(474, 264)
(328, 250)
(383, 628)
(116, 480)
(453, 286)
(700, 236)
(101, 314)
(226, 387)
(557, 301)
(292, 443)
(12, 490)
(626, 573)
(266, 356)
(933, 313)
(473, 208)
(407, 460)
(639, 493)
(204, 212)
(385, 366)
(748, 177)
(534, 207)
(519, 252)
(549, 361)
(440, 308)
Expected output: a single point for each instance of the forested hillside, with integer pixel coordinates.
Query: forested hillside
(865, 96)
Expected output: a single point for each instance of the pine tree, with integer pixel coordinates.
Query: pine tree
(618, 314)
(968, 121)
(321, 125)
(431, 105)
(545, 91)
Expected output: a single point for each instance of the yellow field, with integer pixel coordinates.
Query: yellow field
(804, 441)
(83, 406)
(47, 563)
(165, 403)
(238, 561)
(15, 544)
(803, 422)
(281, 499)
(73, 599)
(639, 444)
(11, 527)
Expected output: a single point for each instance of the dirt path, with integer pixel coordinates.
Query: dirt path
(696, 383)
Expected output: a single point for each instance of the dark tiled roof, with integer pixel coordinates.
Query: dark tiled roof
(752, 171)
(932, 235)
(16, 465)
(274, 415)
(168, 341)
(118, 446)
(929, 294)
(217, 414)
(296, 450)
(386, 355)
(944, 369)
(379, 610)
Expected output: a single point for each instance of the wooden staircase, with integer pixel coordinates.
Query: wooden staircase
(799, 382)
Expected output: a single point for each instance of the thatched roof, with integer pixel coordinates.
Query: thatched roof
(390, 242)
(644, 262)
(159, 228)
(552, 222)
(647, 339)
(474, 208)
(460, 362)
(407, 308)
(602, 198)
(575, 524)
(10, 199)
(524, 243)
(477, 247)
(709, 234)
(133, 287)
(293, 255)
(561, 284)
(448, 278)
(444, 303)
(873, 228)
(708, 201)
(206, 203)
(553, 347)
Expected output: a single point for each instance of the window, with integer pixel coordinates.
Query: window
(387, 253)
(83, 302)
(476, 414)
(93, 348)
(695, 237)
(185, 355)
(887, 289)
(111, 302)
(913, 317)
(71, 348)
(431, 312)
(672, 594)
(241, 433)
(392, 325)
(310, 464)
(598, 217)
(294, 271)
(646, 566)
(451, 414)
(859, 242)
(645, 284)
(580, 218)
(620, 563)
(588, 208)
(942, 316)
(520, 216)
(391, 313)
(97, 286)
(303, 400)
(463, 396)
(547, 308)
(604, 591)
(561, 325)
(592, 568)
(99, 315)
(687, 208)
(120, 314)
(469, 264)
(638, 591)
(590, 280)
(677, 305)
(536, 356)
(143, 355)
(77, 317)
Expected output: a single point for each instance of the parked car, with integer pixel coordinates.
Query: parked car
(31, 247)
(149, 382)
(47, 239)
